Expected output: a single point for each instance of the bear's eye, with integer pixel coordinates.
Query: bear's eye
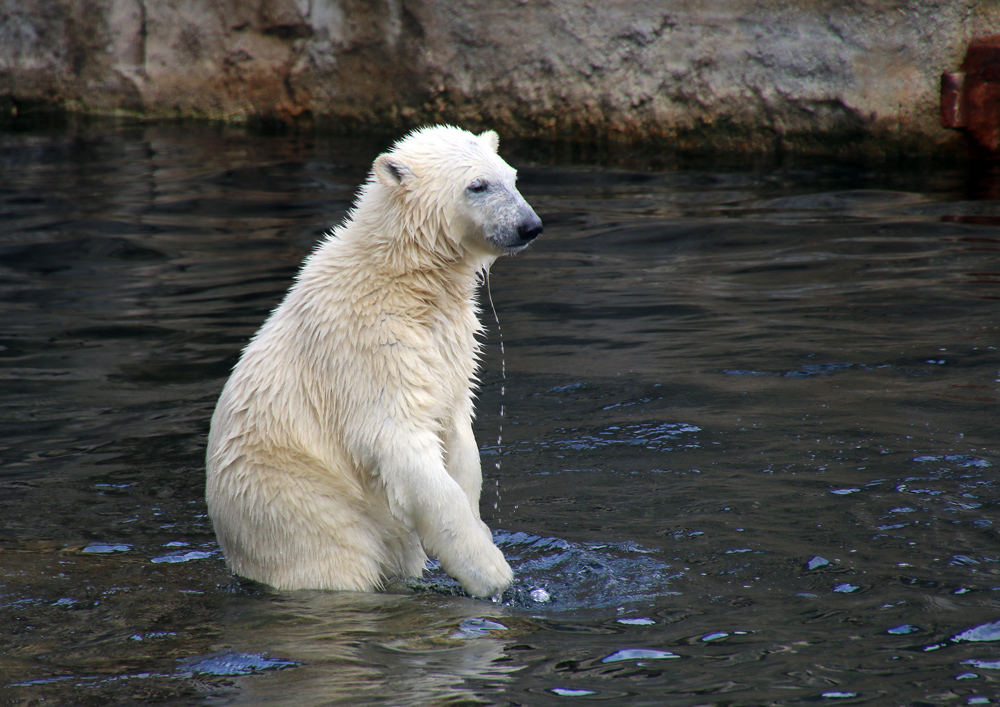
(478, 186)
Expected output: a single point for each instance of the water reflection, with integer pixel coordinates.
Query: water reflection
(362, 649)
(749, 442)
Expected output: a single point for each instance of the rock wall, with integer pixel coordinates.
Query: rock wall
(816, 75)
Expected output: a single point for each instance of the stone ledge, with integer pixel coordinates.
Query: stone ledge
(821, 76)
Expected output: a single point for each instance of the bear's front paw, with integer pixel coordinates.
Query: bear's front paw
(485, 575)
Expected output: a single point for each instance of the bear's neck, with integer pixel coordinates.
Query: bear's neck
(366, 256)
(383, 240)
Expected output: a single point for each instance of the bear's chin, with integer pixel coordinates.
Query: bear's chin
(513, 249)
(483, 248)
(494, 248)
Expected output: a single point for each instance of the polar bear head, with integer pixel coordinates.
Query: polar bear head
(450, 185)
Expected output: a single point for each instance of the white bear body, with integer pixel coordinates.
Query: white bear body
(341, 449)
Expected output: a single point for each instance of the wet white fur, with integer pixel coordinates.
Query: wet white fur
(342, 449)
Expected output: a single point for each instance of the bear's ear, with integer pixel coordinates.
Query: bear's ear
(391, 171)
(492, 139)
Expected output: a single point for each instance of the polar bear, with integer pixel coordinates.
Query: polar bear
(341, 449)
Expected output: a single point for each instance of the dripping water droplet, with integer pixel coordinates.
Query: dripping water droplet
(503, 392)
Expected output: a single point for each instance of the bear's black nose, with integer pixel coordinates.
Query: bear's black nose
(529, 230)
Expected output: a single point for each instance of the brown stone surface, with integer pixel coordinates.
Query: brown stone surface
(970, 98)
(744, 74)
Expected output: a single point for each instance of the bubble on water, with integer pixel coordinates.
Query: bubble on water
(101, 548)
(984, 632)
(572, 387)
(846, 588)
(637, 621)
(540, 595)
(959, 560)
(174, 557)
(651, 435)
(638, 654)
(478, 627)
(817, 562)
(152, 634)
(571, 692)
(964, 461)
(234, 664)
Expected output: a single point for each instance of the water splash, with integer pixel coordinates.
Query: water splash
(558, 575)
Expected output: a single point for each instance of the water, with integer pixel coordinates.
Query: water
(749, 445)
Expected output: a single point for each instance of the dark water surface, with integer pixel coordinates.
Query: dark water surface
(748, 455)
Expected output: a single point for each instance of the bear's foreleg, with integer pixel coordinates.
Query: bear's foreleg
(461, 458)
(420, 490)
